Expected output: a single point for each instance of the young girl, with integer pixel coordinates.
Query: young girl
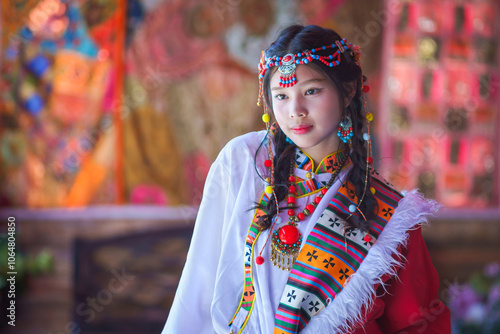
(296, 231)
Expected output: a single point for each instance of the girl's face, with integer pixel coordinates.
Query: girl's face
(309, 112)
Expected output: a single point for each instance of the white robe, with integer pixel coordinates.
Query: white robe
(211, 284)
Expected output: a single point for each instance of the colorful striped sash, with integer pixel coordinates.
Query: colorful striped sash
(324, 265)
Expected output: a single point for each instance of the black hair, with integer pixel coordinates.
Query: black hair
(348, 79)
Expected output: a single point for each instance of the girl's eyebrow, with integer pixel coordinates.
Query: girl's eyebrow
(300, 83)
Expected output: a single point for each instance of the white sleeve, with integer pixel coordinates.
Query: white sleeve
(190, 312)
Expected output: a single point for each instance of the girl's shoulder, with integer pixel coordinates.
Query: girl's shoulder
(389, 199)
(250, 140)
(380, 182)
(381, 189)
(244, 147)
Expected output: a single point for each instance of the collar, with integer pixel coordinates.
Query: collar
(310, 179)
(327, 165)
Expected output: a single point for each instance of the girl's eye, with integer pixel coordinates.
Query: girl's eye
(312, 91)
(280, 96)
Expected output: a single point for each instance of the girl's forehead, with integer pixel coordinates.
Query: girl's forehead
(302, 72)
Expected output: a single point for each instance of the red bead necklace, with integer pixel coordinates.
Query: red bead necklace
(286, 240)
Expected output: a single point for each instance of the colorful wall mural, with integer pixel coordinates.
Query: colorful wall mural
(106, 102)
(115, 102)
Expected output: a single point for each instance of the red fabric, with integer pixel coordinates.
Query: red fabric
(411, 304)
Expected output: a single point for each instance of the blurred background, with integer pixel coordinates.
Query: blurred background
(111, 113)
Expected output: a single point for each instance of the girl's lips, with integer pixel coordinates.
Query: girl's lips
(301, 129)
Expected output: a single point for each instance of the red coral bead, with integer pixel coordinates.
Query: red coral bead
(290, 200)
(268, 163)
(324, 191)
(291, 212)
(291, 179)
(292, 189)
(369, 160)
(301, 216)
(288, 234)
(367, 238)
(366, 89)
(259, 260)
(310, 207)
(317, 200)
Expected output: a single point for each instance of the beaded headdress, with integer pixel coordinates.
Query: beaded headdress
(288, 63)
(286, 66)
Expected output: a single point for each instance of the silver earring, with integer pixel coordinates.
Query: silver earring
(345, 129)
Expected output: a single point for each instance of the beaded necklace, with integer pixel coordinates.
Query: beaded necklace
(286, 240)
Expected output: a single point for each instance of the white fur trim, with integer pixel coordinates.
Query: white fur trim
(346, 310)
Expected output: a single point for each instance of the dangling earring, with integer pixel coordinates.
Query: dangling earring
(345, 129)
(289, 141)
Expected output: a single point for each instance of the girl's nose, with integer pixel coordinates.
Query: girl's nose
(297, 109)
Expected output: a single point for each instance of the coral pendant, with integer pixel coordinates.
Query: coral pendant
(285, 245)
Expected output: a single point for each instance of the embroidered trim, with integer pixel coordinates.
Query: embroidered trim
(248, 295)
(306, 187)
(327, 165)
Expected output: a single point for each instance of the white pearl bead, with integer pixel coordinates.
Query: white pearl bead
(366, 136)
(352, 208)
